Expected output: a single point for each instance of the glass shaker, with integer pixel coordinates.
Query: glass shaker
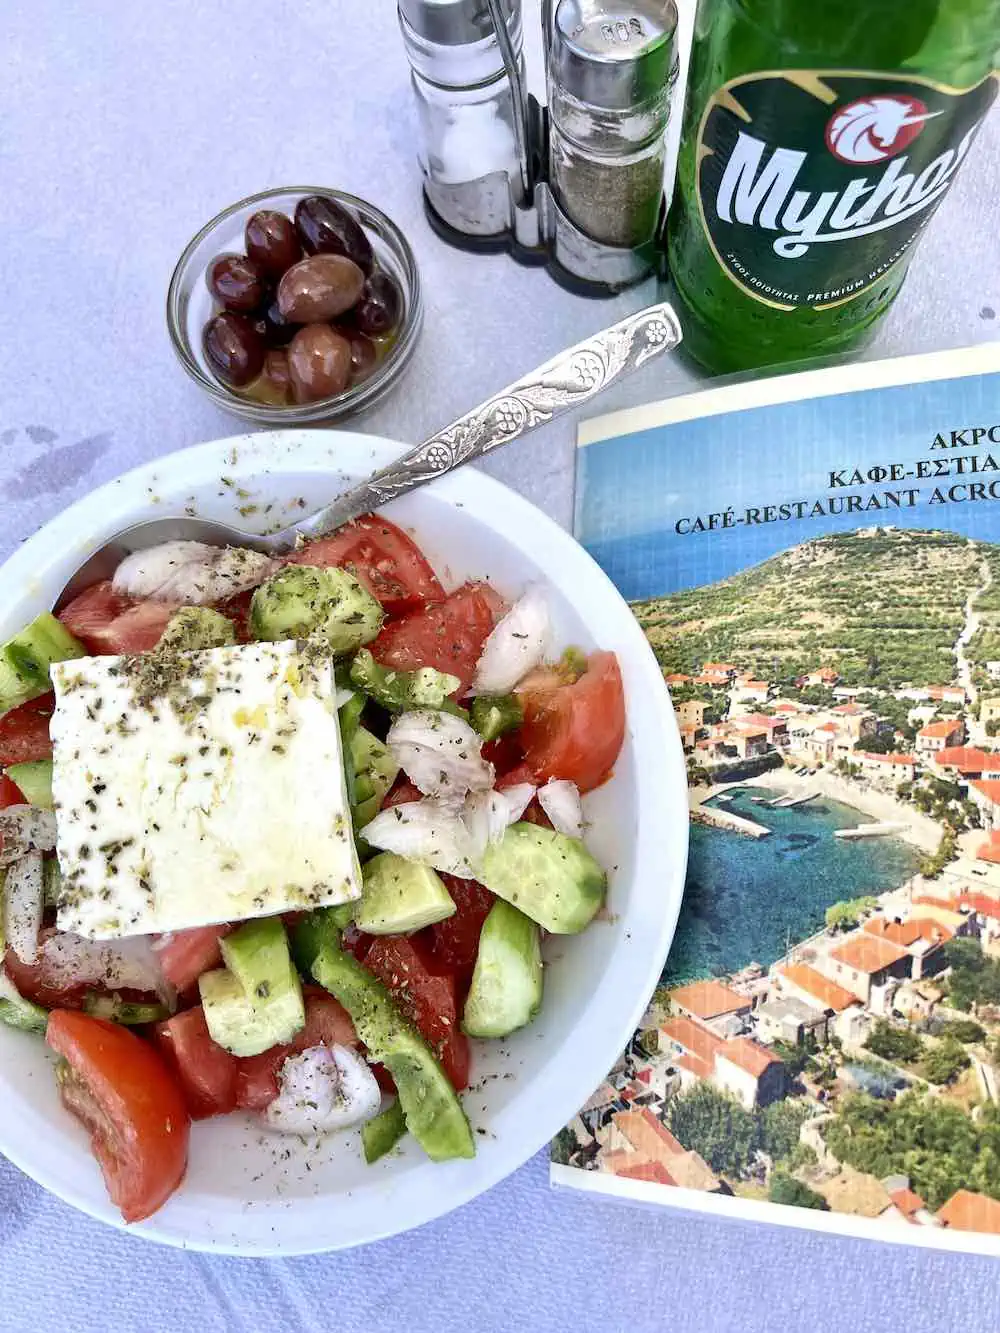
(610, 73)
(471, 132)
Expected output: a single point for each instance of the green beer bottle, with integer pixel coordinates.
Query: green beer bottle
(819, 137)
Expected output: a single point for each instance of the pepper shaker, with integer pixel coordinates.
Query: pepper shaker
(471, 128)
(609, 74)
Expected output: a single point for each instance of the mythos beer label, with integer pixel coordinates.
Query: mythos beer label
(812, 185)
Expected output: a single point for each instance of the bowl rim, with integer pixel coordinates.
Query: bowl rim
(660, 842)
(349, 401)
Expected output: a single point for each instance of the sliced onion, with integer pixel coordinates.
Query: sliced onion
(323, 1090)
(25, 828)
(518, 798)
(440, 754)
(486, 815)
(516, 646)
(561, 802)
(428, 832)
(191, 572)
(130, 964)
(8, 991)
(23, 904)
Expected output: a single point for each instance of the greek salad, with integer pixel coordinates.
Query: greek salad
(281, 837)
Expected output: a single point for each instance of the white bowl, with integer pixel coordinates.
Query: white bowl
(247, 1192)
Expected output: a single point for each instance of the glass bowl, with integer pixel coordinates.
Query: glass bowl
(190, 305)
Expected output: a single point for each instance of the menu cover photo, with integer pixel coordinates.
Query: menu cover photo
(815, 560)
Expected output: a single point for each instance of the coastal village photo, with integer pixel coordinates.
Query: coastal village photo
(823, 1023)
(826, 1032)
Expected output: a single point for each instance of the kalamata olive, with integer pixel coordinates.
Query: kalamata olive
(326, 228)
(274, 383)
(380, 306)
(272, 241)
(234, 348)
(319, 363)
(237, 282)
(364, 353)
(319, 288)
(278, 331)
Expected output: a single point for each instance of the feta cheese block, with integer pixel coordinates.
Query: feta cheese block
(201, 787)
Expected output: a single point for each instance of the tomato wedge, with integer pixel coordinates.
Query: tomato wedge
(504, 754)
(10, 793)
(455, 941)
(119, 1087)
(184, 954)
(427, 998)
(205, 1071)
(105, 622)
(575, 731)
(402, 792)
(237, 609)
(88, 616)
(41, 984)
(383, 557)
(448, 636)
(327, 1024)
(24, 731)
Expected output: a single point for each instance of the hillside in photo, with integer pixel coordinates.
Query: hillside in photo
(883, 607)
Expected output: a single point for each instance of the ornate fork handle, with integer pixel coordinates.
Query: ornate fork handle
(569, 379)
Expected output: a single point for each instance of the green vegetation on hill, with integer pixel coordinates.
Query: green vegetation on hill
(897, 1044)
(845, 915)
(965, 1030)
(786, 1189)
(728, 1136)
(927, 1138)
(882, 607)
(944, 1062)
(984, 646)
(974, 978)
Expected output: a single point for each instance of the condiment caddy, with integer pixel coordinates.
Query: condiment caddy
(575, 185)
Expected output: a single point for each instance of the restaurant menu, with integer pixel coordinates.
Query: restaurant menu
(815, 560)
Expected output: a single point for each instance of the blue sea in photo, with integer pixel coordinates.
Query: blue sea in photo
(747, 899)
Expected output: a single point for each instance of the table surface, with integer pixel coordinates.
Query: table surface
(122, 128)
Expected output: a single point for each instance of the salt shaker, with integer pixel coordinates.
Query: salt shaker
(609, 73)
(471, 129)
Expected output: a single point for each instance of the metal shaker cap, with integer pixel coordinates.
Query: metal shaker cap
(613, 55)
(454, 22)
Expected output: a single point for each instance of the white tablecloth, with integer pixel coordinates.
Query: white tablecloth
(122, 128)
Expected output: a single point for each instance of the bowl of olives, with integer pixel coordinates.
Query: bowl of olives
(296, 305)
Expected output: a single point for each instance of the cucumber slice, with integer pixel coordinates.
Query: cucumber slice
(52, 881)
(550, 877)
(494, 716)
(380, 1135)
(16, 1011)
(26, 658)
(400, 897)
(327, 606)
(195, 628)
(398, 691)
(431, 1107)
(117, 1010)
(506, 990)
(373, 771)
(231, 1018)
(258, 956)
(350, 716)
(34, 781)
